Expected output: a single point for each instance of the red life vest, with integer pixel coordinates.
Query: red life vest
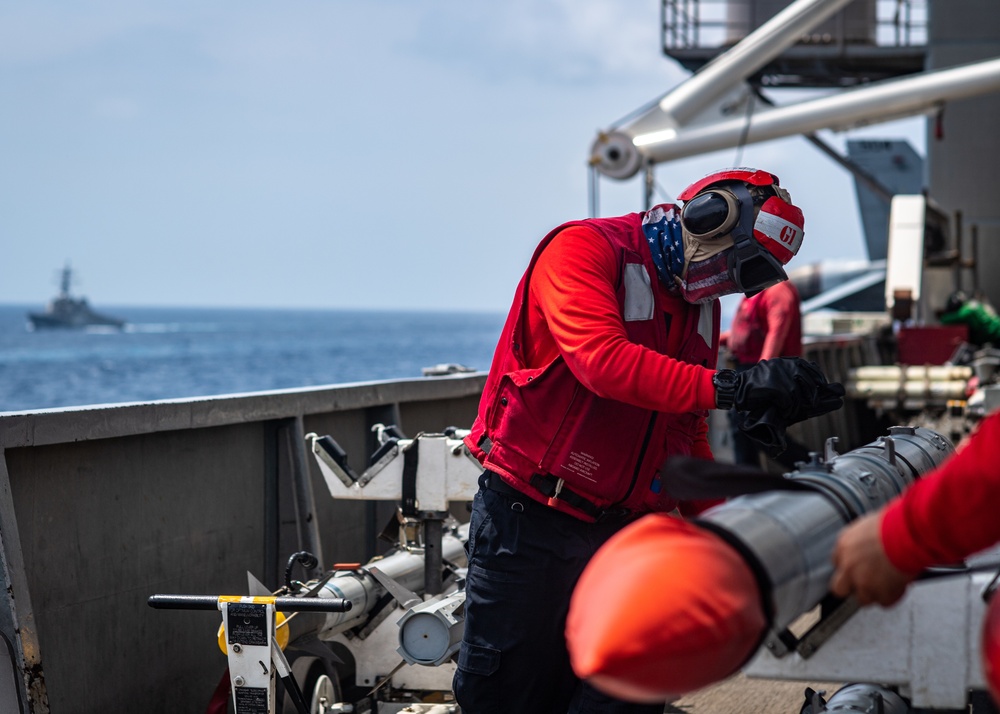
(551, 438)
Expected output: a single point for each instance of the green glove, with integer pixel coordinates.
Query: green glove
(982, 320)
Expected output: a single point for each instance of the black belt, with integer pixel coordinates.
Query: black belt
(546, 485)
(494, 482)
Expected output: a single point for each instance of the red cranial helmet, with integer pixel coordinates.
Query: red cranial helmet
(749, 208)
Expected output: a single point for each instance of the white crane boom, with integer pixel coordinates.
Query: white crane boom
(687, 121)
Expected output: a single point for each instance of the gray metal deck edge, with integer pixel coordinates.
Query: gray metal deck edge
(103, 421)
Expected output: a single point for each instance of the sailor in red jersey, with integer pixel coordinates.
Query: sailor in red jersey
(604, 368)
(767, 325)
(944, 517)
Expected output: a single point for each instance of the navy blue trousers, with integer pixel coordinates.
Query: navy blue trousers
(524, 559)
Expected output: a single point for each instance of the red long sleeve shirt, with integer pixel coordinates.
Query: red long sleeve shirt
(573, 311)
(952, 512)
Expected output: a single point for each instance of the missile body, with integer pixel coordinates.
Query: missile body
(651, 621)
(365, 590)
(789, 536)
(395, 580)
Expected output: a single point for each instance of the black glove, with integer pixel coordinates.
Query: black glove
(790, 386)
(766, 428)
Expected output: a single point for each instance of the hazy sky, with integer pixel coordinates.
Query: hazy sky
(333, 153)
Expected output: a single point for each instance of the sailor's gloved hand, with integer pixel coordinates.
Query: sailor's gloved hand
(790, 386)
(774, 394)
(766, 428)
(793, 387)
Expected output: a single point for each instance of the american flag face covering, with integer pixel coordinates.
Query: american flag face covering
(708, 279)
(662, 228)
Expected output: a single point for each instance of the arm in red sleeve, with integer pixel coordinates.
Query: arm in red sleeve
(780, 309)
(573, 288)
(950, 513)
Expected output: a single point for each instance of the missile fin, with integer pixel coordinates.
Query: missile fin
(406, 598)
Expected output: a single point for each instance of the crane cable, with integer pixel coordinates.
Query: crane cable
(593, 190)
(744, 134)
(594, 176)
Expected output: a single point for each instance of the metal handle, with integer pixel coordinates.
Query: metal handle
(282, 604)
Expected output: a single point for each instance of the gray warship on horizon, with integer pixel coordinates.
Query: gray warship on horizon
(67, 312)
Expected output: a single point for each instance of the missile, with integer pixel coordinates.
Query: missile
(399, 575)
(856, 697)
(669, 606)
(623, 636)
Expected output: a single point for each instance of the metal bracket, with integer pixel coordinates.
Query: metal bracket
(834, 613)
(828, 624)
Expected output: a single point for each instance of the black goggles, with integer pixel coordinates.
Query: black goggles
(711, 214)
(729, 211)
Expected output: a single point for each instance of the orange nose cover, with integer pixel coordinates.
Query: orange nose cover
(663, 609)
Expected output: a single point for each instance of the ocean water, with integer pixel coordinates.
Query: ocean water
(174, 353)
